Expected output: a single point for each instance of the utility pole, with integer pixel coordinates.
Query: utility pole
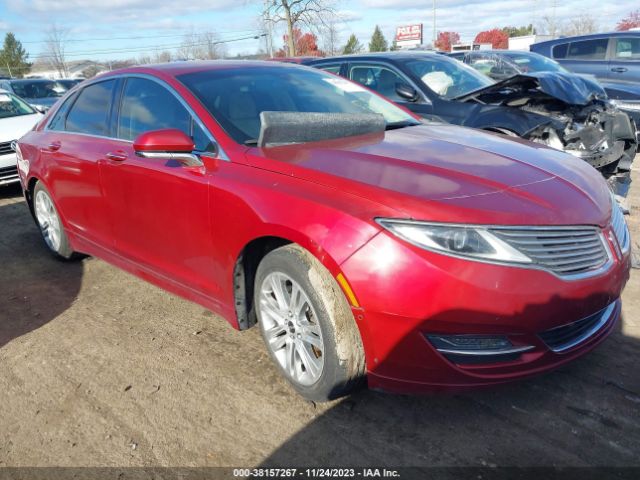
(434, 24)
(269, 24)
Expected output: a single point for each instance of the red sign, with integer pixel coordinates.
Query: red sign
(409, 32)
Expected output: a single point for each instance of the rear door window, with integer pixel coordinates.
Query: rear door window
(627, 48)
(560, 51)
(90, 113)
(331, 68)
(58, 120)
(588, 49)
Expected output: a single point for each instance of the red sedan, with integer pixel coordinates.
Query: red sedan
(363, 243)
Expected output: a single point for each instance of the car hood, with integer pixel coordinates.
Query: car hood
(567, 87)
(13, 128)
(450, 173)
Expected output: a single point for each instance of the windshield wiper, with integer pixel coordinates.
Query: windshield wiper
(252, 142)
(401, 124)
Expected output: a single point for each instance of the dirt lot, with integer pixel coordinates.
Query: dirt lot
(98, 368)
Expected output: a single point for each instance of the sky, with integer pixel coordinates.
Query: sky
(120, 29)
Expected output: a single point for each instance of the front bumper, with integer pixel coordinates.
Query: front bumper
(407, 294)
(8, 169)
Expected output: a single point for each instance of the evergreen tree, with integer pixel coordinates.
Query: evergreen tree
(378, 43)
(352, 46)
(394, 46)
(13, 57)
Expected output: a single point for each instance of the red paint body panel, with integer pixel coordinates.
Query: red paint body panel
(183, 228)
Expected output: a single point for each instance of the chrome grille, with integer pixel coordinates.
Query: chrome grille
(620, 229)
(9, 175)
(564, 251)
(568, 336)
(5, 148)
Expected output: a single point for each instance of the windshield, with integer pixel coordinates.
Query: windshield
(38, 89)
(12, 106)
(447, 77)
(534, 63)
(236, 97)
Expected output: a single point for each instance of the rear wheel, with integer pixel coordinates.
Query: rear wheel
(307, 324)
(48, 220)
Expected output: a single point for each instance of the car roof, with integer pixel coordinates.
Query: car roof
(399, 55)
(590, 36)
(30, 80)
(175, 69)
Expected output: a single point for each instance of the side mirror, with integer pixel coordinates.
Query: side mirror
(407, 92)
(170, 143)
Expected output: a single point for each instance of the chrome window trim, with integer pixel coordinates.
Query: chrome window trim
(221, 154)
(530, 266)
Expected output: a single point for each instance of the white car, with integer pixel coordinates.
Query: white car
(16, 119)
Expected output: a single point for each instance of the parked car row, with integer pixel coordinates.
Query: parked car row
(16, 118)
(366, 244)
(558, 109)
(40, 93)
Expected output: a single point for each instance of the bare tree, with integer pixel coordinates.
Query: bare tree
(296, 13)
(330, 38)
(580, 25)
(54, 50)
(549, 25)
(202, 46)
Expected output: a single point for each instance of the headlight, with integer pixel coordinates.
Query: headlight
(627, 104)
(473, 242)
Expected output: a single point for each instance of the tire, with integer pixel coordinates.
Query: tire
(50, 224)
(318, 350)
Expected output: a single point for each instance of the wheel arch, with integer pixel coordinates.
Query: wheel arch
(250, 256)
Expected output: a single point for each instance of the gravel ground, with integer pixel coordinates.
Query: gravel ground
(98, 368)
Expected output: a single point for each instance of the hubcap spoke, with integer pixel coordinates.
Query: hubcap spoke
(311, 364)
(277, 337)
(278, 291)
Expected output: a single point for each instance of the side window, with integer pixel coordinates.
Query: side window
(379, 79)
(560, 51)
(90, 113)
(57, 122)
(331, 68)
(147, 105)
(588, 49)
(628, 48)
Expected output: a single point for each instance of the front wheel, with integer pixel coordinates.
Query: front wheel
(50, 224)
(307, 324)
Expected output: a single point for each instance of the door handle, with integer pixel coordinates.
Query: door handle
(117, 156)
(619, 69)
(54, 146)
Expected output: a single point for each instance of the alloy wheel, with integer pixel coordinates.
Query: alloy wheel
(291, 328)
(48, 220)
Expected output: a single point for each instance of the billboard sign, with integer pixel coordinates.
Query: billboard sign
(409, 35)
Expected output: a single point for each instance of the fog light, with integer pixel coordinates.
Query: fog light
(476, 349)
(469, 342)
